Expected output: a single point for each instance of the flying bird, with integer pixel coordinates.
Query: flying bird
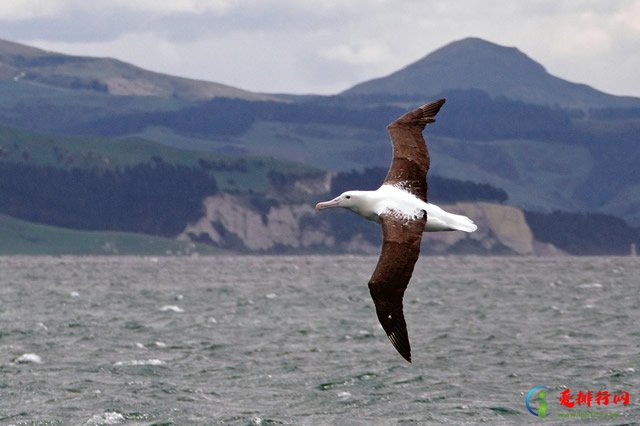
(400, 206)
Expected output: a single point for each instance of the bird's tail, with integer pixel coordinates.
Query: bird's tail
(462, 223)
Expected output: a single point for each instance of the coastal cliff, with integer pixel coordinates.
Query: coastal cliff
(234, 223)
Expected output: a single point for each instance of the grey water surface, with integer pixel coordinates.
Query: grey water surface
(251, 340)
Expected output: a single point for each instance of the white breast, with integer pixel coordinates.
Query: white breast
(391, 198)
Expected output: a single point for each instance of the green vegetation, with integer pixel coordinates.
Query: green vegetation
(584, 233)
(544, 157)
(21, 237)
(158, 198)
(232, 173)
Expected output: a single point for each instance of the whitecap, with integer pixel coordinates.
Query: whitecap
(172, 308)
(28, 358)
(108, 418)
(137, 362)
(74, 294)
(344, 395)
(590, 285)
(160, 344)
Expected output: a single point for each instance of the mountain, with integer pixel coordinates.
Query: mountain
(476, 64)
(72, 140)
(20, 63)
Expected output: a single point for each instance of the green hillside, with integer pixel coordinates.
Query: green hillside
(544, 157)
(21, 237)
(33, 66)
(232, 173)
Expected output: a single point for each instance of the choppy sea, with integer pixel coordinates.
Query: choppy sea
(295, 340)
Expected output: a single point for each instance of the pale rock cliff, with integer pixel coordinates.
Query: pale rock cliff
(232, 222)
(502, 229)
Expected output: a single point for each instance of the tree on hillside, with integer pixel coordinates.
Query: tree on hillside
(155, 198)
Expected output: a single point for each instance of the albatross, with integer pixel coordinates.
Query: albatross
(400, 206)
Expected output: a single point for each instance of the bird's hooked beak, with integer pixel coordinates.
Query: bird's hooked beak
(328, 204)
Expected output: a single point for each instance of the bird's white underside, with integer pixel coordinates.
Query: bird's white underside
(396, 201)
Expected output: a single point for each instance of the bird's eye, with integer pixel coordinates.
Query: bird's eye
(348, 197)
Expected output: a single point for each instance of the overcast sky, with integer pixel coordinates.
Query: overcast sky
(326, 46)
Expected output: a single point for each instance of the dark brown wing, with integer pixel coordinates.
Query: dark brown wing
(400, 251)
(410, 161)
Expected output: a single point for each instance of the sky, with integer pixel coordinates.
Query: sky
(326, 46)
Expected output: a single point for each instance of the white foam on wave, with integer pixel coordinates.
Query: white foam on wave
(108, 418)
(590, 285)
(172, 308)
(137, 362)
(28, 358)
(344, 395)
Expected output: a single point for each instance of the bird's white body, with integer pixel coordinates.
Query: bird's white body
(390, 199)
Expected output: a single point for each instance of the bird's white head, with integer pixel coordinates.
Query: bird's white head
(349, 200)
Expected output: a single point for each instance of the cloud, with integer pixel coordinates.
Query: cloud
(327, 46)
(20, 10)
(355, 54)
(29, 9)
(173, 6)
(628, 17)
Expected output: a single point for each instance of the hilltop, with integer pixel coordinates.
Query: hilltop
(500, 71)
(20, 63)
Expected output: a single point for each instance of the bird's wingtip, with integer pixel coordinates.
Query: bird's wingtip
(400, 341)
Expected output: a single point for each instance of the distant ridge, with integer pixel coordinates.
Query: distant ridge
(31, 65)
(476, 64)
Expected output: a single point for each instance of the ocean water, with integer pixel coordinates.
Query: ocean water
(295, 340)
